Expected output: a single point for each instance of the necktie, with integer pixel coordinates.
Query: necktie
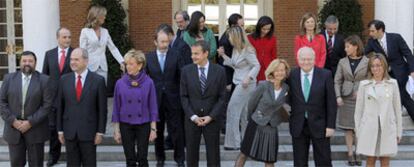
(382, 46)
(306, 87)
(330, 46)
(79, 88)
(162, 61)
(62, 60)
(26, 81)
(203, 79)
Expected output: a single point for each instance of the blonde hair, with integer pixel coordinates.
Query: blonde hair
(381, 58)
(237, 38)
(94, 12)
(305, 17)
(136, 55)
(273, 66)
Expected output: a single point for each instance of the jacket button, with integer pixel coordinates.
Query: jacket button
(139, 115)
(129, 116)
(202, 110)
(129, 101)
(139, 101)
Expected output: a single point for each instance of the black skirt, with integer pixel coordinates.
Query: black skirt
(260, 143)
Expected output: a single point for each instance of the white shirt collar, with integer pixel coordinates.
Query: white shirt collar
(60, 50)
(384, 38)
(83, 74)
(205, 66)
(159, 52)
(23, 76)
(310, 72)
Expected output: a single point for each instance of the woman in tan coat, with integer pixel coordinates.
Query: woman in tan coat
(378, 126)
(351, 70)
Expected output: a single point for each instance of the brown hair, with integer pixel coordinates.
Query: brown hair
(354, 40)
(384, 63)
(305, 17)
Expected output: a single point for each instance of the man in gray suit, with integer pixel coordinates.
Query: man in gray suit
(82, 111)
(25, 103)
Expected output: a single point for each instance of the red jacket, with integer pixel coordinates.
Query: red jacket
(265, 52)
(318, 45)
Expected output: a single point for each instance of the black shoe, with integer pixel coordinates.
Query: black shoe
(231, 148)
(51, 162)
(180, 164)
(160, 163)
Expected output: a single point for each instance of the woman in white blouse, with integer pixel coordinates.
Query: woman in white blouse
(94, 38)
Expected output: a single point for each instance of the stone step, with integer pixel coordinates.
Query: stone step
(115, 153)
(284, 139)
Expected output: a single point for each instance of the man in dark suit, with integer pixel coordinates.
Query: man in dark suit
(56, 63)
(82, 111)
(335, 46)
(203, 93)
(164, 67)
(399, 57)
(313, 114)
(25, 101)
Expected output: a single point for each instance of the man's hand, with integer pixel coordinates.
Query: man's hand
(339, 101)
(24, 126)
(198, 121)
(152, 136)
(17, 124)
(206, 120)
(61, 139)
(98, 139)
(329, 132)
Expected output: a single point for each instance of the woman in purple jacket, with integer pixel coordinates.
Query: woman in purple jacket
(135, 110)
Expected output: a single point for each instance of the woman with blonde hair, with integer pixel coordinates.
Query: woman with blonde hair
(309, 38)
(94, 38)
(135, 110)
(260, 141)
(378, 119)
(246, 67)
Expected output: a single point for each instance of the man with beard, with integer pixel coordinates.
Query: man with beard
(25, 102)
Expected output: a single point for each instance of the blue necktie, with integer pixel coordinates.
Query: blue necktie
(203, 79)
(162, 61)
(306, 90)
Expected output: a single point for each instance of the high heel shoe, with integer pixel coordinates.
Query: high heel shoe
(351, 160)
(358, 160)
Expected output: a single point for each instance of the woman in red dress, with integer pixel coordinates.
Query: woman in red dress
(264, 42)
(310, 38)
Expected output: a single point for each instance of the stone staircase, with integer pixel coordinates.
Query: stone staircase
(109, 151)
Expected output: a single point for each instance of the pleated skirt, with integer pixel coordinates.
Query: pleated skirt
(260, 143)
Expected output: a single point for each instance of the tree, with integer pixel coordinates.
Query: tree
(348, 13)
(115, 23)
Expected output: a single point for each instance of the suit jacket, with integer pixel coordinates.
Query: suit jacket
(245, 64)
(36, 108)
(264, 107)
(337, 53)
(168, 82)
(210, 103)
(321, 105)
(51, 68)
(183, 49)
(86, 117)
(399, 55)
(347, 82)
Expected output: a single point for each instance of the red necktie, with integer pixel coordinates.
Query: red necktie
(79, 88)
(62, 60)
(330, 47)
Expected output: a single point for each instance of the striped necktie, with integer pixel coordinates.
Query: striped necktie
(203, 79)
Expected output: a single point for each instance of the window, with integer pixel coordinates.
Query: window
(217, 11)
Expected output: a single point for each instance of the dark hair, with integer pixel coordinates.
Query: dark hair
(167, 29)
(183, 13)
(234, 18)
(193, 28)
(263, 21)
(58, 31)
(205, 46)
(356, 41)
(29, 53)
(378, 24)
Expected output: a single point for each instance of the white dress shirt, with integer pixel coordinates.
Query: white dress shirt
(83, 77)
(383, 42)
(60, 53)
(96, 48)
(302, 78)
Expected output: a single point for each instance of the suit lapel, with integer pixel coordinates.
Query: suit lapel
(347, 65)
(157, 65)
(210, 76)
(86, 85)
(66, 66)
(19, 86)
(194, 74)
(362, 63)
(378, 45)
(314, 82)
(298, 84)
